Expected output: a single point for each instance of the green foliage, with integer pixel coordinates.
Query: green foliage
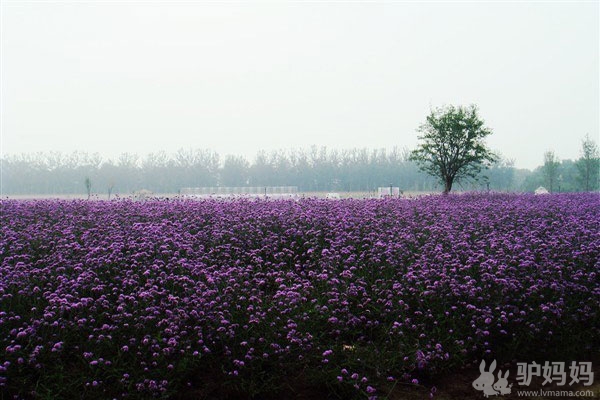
(452, 145)
(588, 165)
(313, 169)
(500, 176)
(234, 171)
(550, 170)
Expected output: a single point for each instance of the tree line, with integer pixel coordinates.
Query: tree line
(313, 169)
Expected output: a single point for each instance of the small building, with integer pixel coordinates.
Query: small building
(541, 190)
(388, 191)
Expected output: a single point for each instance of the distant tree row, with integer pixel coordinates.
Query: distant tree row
(314, 169)
(582, 174)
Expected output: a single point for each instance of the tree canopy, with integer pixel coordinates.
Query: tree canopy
(550, 169)
(452, 145)
(588, 164)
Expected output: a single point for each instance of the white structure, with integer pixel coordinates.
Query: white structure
(333, 196)
(541, 190)
(223, 192)
(142, 194)
(388, 191)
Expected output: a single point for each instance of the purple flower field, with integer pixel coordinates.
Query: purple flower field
(127, 299)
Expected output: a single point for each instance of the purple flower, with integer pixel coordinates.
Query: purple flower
(145, 286)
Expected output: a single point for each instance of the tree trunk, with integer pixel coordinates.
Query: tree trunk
(447, 185)
(587, 178)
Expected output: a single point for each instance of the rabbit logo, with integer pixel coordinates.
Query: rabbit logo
(485, 382)
(502, 384)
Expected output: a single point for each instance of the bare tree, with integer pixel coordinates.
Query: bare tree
(88, 187)
(111, 186)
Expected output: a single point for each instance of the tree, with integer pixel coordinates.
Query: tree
(588, 165)
(550, 169)
(88, 186)
(501, 174)
(235, 171)
(111, 186)
(452, 145)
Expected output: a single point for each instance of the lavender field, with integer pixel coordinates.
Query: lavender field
(218, 299)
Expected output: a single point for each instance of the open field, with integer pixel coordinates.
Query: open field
(292, 299)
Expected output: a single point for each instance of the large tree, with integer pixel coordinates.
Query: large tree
(452, 145)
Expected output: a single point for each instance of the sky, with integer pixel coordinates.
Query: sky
(239, 77)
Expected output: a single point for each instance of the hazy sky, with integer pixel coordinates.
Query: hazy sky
(111, 76)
